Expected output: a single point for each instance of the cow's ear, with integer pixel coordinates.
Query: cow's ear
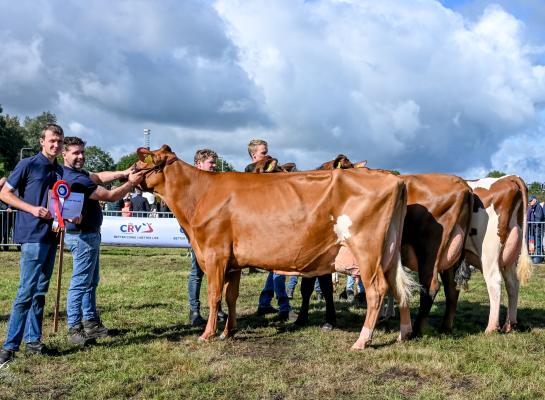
(361, 164)
(339, 161)
(166, 147)
(145, 155)
(270, 165)
(289, 167)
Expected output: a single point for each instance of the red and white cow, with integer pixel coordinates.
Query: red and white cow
(498, 233)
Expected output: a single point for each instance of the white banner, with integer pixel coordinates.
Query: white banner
(148, 232)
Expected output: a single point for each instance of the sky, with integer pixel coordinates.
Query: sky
(452, 86)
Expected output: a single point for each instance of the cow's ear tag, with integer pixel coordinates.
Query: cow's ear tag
(270, 167)
(338, 166)
(148, 159)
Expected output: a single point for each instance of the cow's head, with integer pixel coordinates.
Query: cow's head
(265, 165)
(342, 162)
(153, 162)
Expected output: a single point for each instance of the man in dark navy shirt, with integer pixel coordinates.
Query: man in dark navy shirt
(32, 178)
(83, 239)
(139, 203)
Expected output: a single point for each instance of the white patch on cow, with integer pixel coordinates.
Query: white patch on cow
(341, 228)
(484, 183)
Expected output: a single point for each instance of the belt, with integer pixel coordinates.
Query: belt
(79, 231)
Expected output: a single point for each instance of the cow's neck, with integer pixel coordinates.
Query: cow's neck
(182, 188)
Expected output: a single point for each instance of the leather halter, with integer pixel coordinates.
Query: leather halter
(155, 168)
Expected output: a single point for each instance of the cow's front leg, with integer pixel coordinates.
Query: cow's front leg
(215, 273)
(232, 283)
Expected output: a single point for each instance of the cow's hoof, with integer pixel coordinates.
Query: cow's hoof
(414, 335)
(509, 327)
(228, 335)
(202, 339)
(490, 331)
(301, 322)
(327, 327)
(446, 330)
(359, 345)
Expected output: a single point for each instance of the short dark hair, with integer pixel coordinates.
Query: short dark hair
(203, 154)
(56, 129)
(73, 141)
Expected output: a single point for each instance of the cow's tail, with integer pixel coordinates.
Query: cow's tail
(524, 264)
(404, 282)
(405, 285)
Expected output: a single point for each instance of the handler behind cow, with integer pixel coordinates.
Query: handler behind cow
(275, 283)
(304, 218)
(204, 160)
(83, 239)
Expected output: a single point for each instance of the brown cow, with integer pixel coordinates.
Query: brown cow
(499, 231)
(304, 217)
(435, 228)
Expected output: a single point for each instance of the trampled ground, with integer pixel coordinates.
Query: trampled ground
(155, 354)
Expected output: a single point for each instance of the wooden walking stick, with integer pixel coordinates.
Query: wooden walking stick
(61, 190)
(59, 279)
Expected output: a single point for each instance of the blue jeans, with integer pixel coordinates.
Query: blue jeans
(293, 282)
(194, 284)
(37, 262)
(82, 299)
(275, 284)
(350, 280)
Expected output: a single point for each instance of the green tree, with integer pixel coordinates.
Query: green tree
(224, 166)
(11, 142)
(495, 174)
(126, 161)
(34, 126)
(98, 160)
(536, 189)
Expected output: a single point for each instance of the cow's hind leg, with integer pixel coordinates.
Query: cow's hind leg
(430, 287)
(326, 284)
(451, 296)
(232, 283)
(307, 287)
(375, 291)
(492, 277)
(512, 286)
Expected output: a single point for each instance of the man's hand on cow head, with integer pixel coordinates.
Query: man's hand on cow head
(135, 178)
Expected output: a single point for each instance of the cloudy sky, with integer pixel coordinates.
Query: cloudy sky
(419, 86)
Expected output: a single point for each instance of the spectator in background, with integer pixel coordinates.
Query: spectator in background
(535, 229)
(114, 206)
(126, 210)
(140, 205)
(162, 208)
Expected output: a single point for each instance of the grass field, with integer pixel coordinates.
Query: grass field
(155, 354)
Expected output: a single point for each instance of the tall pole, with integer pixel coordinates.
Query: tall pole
(59, 278)
(147, 133)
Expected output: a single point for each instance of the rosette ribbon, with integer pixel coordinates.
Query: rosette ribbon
(61, 190)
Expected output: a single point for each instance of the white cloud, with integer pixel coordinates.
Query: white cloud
(412, 86)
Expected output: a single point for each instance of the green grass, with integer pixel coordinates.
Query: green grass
(155, 354)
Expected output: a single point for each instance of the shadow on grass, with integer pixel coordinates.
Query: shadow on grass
(471, 318)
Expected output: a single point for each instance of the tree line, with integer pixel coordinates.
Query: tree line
(19, 140)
